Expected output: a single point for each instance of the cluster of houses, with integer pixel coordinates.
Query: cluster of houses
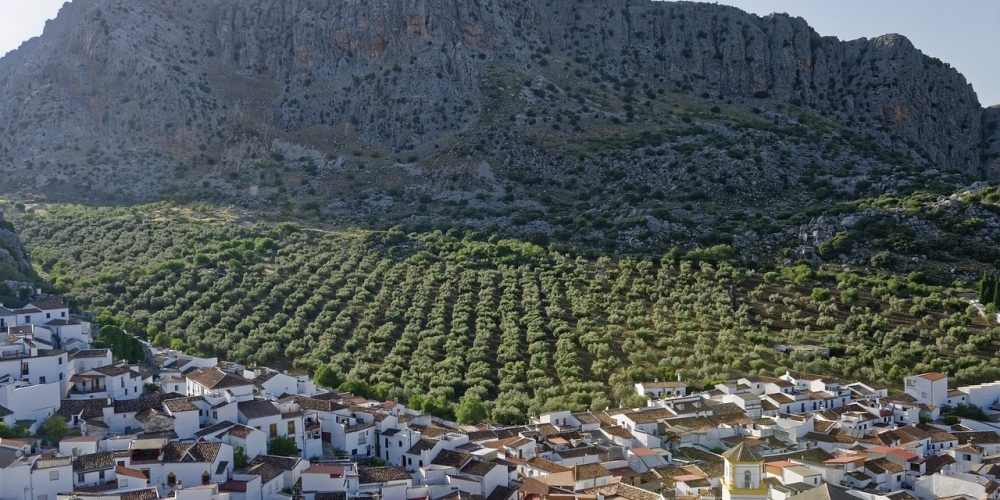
(182, 426)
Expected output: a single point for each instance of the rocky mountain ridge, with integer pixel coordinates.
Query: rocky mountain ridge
(368, 109)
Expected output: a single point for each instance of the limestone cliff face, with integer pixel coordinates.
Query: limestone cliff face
(991, 141)
(128, 91)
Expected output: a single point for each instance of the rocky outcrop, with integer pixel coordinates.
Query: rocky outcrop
(12, 253)
(991, 142)
(125, 94)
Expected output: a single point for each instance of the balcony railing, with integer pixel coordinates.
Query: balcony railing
(92, 390)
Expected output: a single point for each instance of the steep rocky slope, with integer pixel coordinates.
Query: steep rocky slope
(488, 113)
(14, 262)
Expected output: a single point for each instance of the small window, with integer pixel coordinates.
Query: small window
(171, 480)
(747, 480)
(205, 477)
(48, 315)
(100, 474)
(53, 475)
(79, 477)
(291, 427)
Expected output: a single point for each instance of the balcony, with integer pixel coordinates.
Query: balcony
(88, 390)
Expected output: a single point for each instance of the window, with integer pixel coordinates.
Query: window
(62, 314)
(215, 414)
(100, 474)
(27, 319)
(291, 427)
(24, 368)
(747, 480)
(48, 315)
(79, 477)
(60, 360)
(205, 476)
(41, 380)
(273, 430)
(171, 480)
(53, 475)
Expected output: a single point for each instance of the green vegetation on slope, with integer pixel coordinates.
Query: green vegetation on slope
(443, 317)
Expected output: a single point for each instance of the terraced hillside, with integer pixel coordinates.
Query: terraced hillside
(447, 316)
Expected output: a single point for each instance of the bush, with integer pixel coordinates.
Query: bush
(283, 447)
(325, 376)
(470, 411)
(850, 296)
(54, 428)
(12, 432)
(969, 411)
(711, 255)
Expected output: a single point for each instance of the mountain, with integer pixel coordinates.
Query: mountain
(550, 119)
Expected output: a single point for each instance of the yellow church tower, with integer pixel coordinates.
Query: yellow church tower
(744, 476)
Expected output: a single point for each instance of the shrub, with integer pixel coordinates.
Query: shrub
(283, 446)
